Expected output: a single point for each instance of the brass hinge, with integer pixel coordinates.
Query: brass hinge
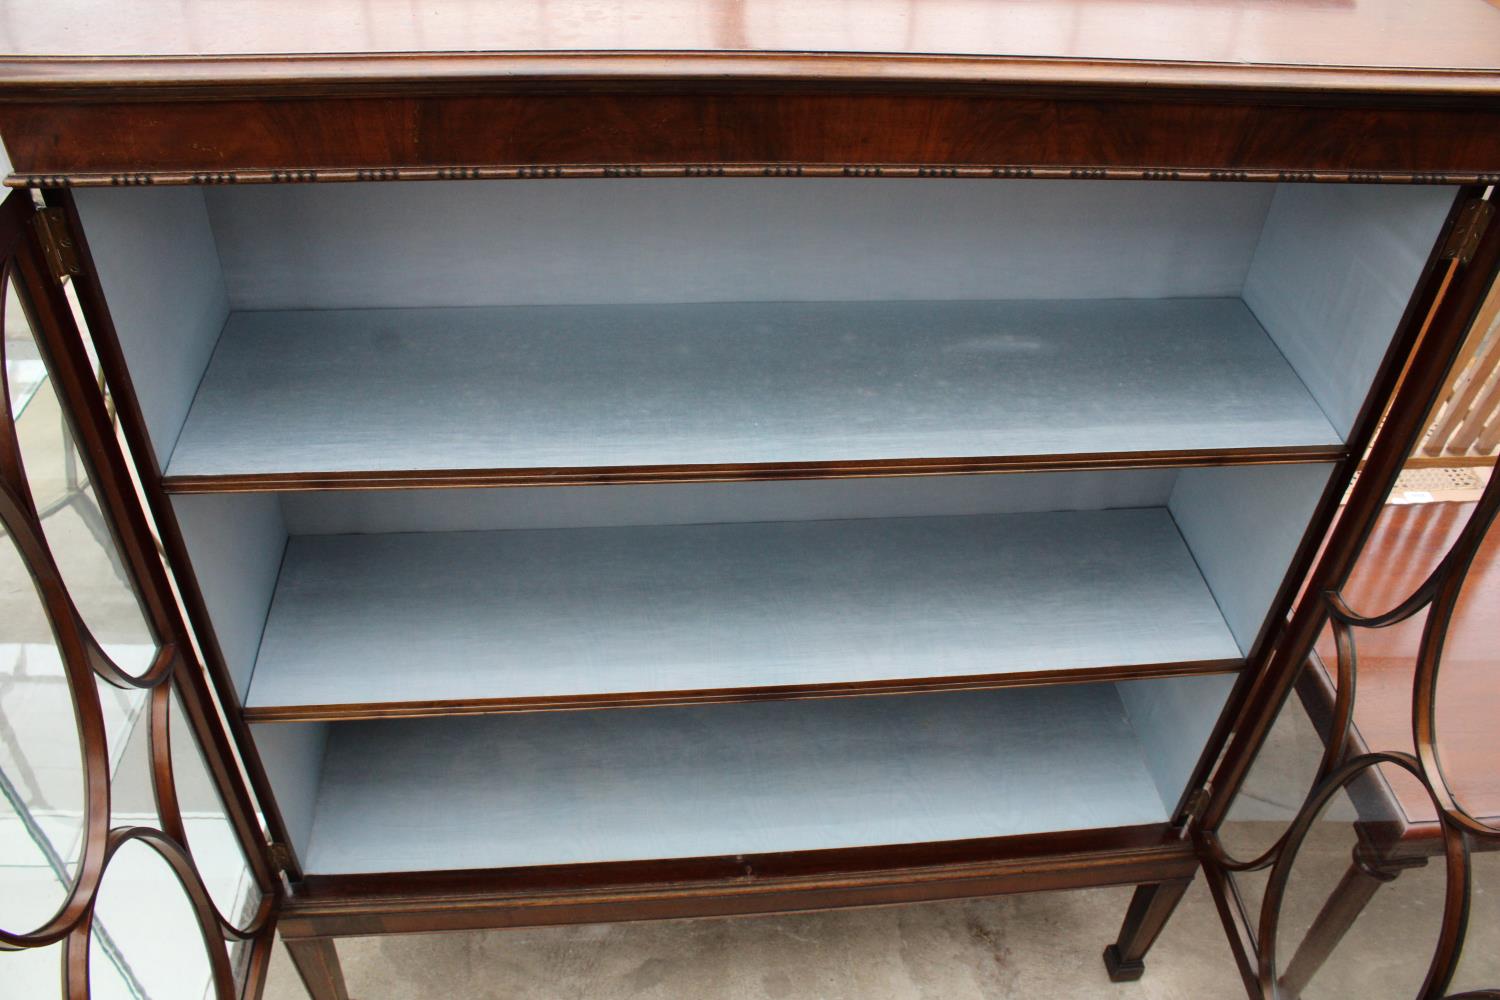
(1196, 803)
(281, 857)
(58, 244)
(1468, 230)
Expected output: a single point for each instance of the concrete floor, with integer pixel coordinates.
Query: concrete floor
(1033, 946)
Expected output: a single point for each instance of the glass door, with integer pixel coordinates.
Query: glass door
(1351, 837)
(133, 859)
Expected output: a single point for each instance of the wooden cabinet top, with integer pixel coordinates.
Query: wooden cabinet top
(145, 91)
(1447, 45)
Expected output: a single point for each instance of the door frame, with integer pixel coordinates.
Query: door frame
(1448, 300)
(37, 250)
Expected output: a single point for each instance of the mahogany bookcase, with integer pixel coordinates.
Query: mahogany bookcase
(746, 458)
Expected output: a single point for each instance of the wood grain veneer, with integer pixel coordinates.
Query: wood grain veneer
(107, 94)
(406, 902)
(1231, 136)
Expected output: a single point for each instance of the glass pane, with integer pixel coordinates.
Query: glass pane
(1252, 889)
(1468, 689)
(76, 529)
(1479, 963)
(1358, 936)
(24, 370)
(1468, 703)
(1405, 546)
(34, 973)
(211, 839)
(127, 720)
(146, 941)
(1281, 776)
(41, 768)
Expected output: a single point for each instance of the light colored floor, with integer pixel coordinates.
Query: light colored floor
(1033, 946)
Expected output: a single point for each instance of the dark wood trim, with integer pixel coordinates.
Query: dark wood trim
(617, 171)
(20, 523)
(1150, 909)
(286, 482)
(317, 963)
(137, 136)
(724, 696)
(257, 964)
(78, 947)
(698, 887)
(1238, 926)
(1369, 792)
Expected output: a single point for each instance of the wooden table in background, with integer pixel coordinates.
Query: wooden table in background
(1398, 826)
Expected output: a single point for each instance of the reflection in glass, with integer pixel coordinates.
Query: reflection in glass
(76, 529)
(41, 769)
(1468, 740)
(1280, 778)
(1479, 962)
(1395, 901)
(1392, 901)
(1406, 544)
(24, 370)
(127, 727)
(211, 839)
(146, 942)
(1467, 704)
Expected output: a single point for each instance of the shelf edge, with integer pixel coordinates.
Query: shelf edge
(290, 482)
(767, 883)
(726, 696)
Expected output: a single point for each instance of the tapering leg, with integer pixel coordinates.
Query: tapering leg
(1149, 909)
(317, 963)
(1366, 874)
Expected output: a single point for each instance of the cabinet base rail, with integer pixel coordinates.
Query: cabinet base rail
(321, 908)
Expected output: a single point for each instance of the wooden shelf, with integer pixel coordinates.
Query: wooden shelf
(587, 394)
(382, 626)
(520, 791)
